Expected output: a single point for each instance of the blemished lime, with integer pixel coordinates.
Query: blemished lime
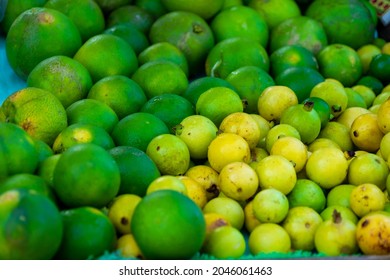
(38, 28)
(161, 229)
(16, 156)
(63, 76)
(21, 238)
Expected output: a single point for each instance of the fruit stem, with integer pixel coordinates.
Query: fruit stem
(336, 217)
(308, 105)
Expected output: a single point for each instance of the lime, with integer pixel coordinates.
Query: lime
(127, 13)
(273, 100)
(160, 77)
(79, 133)
(26, 219)
(199, 85)
(18, 156)
(80, 240)
(226, 148)
(291, 56)
(249, 82)
(217, 103)
(300, 30)
(164, 51)
(187, 31)
(270, 206)
(379, 67)
(96, 55)
(120, 211)
(137, 169)
(119, 92)
(170, 154)
(233, 53)
(307, 193)
(92, 111)
(163, 105)
(31, 108)
(74, 171)
(161, 226)
(348, 67)
(240, 21)
(339, 195)
(63, 76)
(85, 14)
(131, 34)
(227, 207)
(137, 130)
(37, 28)
(345, 21)
(204, 9)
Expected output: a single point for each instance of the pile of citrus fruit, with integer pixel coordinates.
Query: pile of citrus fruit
(172, 129)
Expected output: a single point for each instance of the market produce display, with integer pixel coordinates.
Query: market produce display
(178, 129)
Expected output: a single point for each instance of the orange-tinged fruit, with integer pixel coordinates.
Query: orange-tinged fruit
(366, 133)
(37, 28)
(372, 233)
(226, 148)
(161, 229)
(31, 107)
(14, 8)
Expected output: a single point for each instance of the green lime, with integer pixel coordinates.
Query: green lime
(119, 92)
(162, 107)
(63, 76)
(86, 175)
(307, 193)
(161, 227)
(137, 130)
(80, 240)
(136, 168)
(28, 218)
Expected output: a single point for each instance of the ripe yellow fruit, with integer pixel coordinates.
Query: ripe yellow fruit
(366, 133)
